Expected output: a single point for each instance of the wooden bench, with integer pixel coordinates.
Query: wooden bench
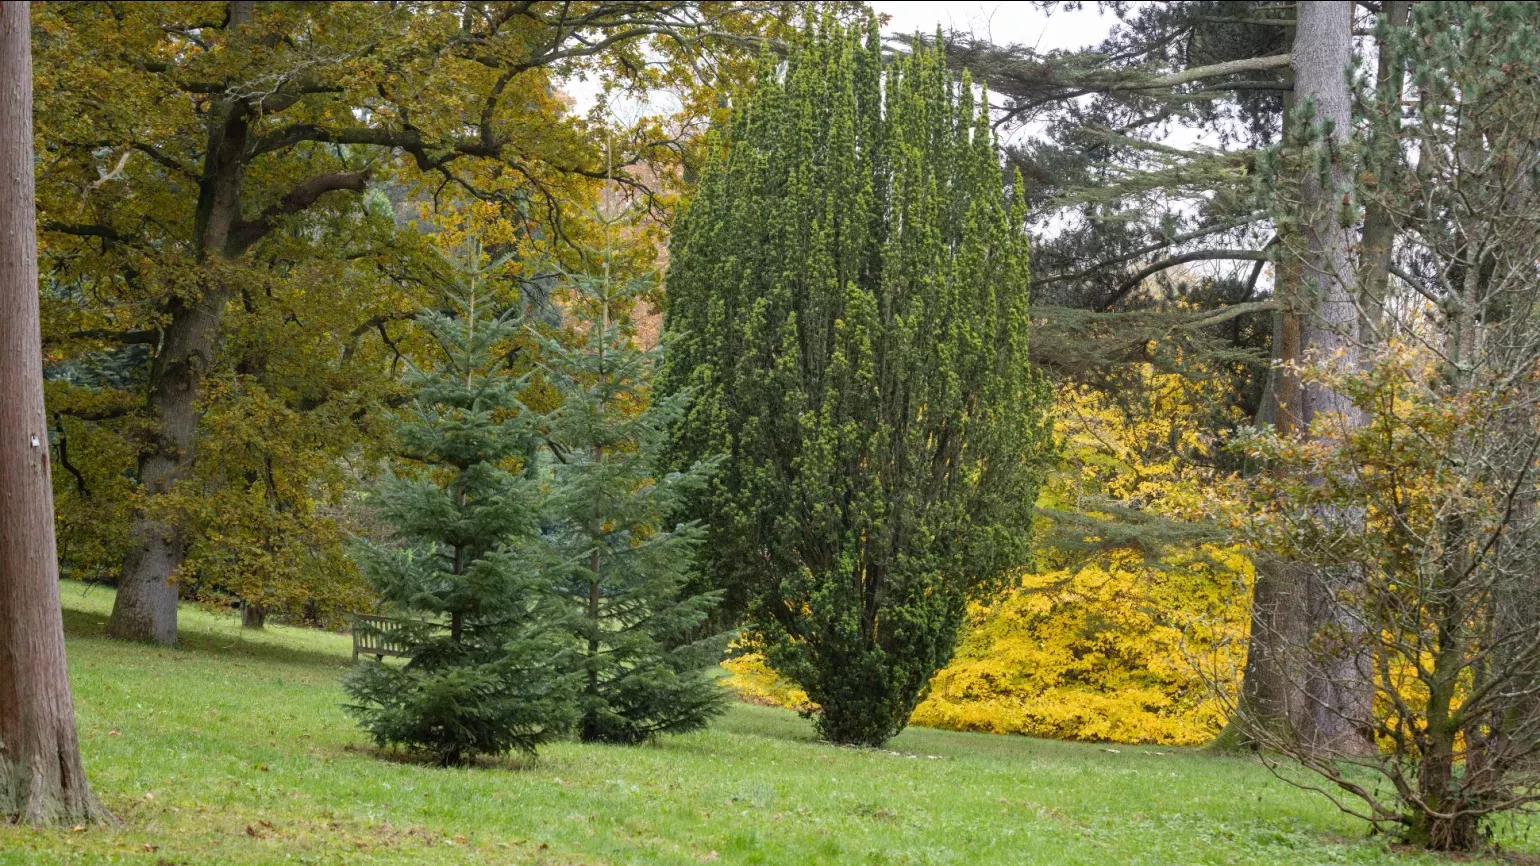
(378, 636)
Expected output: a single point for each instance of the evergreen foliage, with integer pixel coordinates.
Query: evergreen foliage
(848, 293)
(487, 671)
(621, 564)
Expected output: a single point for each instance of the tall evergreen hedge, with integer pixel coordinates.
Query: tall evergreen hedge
(847, 299)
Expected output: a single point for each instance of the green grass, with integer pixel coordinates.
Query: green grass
(234, 749)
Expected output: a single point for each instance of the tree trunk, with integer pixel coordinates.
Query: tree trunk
(1271, 696)
(1269, 707)
(1288, 696)
(1378, 245)
(1339, 685)
(42, 779)
(253, 615)
(589, 729)
(145, 609)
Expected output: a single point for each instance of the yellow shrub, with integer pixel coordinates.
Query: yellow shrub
(1103, 653)
(752, 679)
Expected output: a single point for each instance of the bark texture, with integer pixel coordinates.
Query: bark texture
(1271, 695)
(145, 609)
(42, 779)
(1306, 679)
(1338, 683)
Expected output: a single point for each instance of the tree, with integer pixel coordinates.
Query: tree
(195, 150)
(486, 674)
(1324, 301)
(1155, 253)
(1148, 251)
(1134, 268)
(848, 295)
(624, 567)
(42, 779)
(1417, 518)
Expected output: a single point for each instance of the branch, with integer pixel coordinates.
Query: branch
(1416, 285)
(244, 234)
(1164, 264)
(64, 458)
(127, 338)
(154, 154)
(1247, 85)
(1229, 67)
(85, 230)
(1230, 312)
(106, 414)
(370, 325)
(1097, 83)
(1156, 247)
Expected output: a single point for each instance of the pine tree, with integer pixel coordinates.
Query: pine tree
(487, 673)
(623, 565)
(848, 294)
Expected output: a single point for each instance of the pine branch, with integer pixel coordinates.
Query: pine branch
(1136, 279)
(1155, 247)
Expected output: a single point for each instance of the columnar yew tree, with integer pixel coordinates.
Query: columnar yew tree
(849, 299)
(621, 561)
(485, 674)
(41, 776)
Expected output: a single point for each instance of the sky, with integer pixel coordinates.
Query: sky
(1000, 22)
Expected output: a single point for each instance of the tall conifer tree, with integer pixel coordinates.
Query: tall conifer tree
(623, 564)
(848, 296)
(487, 672)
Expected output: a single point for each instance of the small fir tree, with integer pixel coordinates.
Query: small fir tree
(624, 565)
(487, 673)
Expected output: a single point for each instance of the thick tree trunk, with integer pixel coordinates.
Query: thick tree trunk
(42, 779)
(1291, 692)
(1271, 698)
(253, 615)
(1269, 707)
(1339, 685)
(145, 609)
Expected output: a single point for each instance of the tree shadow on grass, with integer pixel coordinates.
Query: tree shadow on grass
(513, 761)
(86, 624)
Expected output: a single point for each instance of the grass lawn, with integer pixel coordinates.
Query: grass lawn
(234, 749)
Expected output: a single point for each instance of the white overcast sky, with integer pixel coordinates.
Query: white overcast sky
(1000, 22)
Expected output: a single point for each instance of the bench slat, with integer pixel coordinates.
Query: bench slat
(379, 638)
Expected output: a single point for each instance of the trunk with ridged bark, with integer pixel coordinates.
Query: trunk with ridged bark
(145, 609)
(42, 779)
(1338, 686)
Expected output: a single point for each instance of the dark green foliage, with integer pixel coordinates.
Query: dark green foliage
(621, 564)
(848, 295)
(487, 673)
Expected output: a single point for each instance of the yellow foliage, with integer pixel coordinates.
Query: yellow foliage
(755, 682)
(1110, 647)
(1109, 652)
